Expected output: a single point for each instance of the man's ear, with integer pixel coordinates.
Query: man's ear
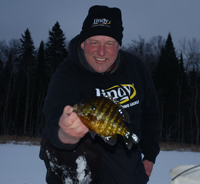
(82, 45)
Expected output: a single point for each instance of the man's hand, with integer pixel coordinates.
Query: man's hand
(71, 128)
(148, 167)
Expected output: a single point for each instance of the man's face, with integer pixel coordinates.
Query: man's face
(100, 52)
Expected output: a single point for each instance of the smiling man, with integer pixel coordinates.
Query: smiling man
(96, 66)
(100, 52)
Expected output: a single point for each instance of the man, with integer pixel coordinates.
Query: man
(97, 67)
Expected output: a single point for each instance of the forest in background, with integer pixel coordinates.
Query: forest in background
(25, 73)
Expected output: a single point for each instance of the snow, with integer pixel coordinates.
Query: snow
(20, 164)
(81, 167)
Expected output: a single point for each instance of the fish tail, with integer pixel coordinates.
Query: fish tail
(130, 139)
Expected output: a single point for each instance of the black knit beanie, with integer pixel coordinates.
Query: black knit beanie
(102, 20)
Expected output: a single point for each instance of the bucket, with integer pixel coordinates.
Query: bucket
(185, 174)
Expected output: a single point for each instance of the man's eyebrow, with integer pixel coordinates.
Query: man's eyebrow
(111, 41)
(92, 40)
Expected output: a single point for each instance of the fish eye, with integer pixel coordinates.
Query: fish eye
(93, 108)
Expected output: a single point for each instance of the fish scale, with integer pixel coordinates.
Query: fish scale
(111, 117)
(104, 108)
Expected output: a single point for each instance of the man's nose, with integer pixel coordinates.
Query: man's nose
(101, 50)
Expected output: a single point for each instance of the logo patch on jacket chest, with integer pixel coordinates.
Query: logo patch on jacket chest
(122, 93)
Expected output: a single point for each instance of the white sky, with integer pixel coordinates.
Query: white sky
(145, 18)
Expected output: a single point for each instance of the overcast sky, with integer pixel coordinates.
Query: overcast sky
(145, 18)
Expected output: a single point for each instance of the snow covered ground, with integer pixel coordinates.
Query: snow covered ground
(20, 164)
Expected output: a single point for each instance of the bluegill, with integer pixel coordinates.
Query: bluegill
(106, 117)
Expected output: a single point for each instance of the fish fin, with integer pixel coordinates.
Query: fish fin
(92, 133)
(126, 117)
(110, 139)
(135, 138)
(129, 139)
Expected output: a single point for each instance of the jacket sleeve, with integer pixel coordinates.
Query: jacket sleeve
(150, 120)
(62, 91)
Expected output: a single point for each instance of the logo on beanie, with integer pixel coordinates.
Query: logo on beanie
(101, 22)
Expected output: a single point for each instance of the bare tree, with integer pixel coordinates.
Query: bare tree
(191, 57)
(148, 52)
(191, 52)
(9, 52)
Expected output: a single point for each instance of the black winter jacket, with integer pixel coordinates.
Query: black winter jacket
(131, 84)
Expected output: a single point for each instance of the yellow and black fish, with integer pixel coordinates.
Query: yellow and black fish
(106, 117)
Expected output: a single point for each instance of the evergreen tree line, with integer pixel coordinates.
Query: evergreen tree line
(25, 75)
(176, 77)
(26, 72)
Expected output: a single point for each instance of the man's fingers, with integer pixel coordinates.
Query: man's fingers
(68, 110)
(78, 127)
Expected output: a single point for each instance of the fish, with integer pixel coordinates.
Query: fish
(105, 117)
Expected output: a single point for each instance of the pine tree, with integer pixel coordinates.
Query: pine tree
(56, 50)
(26, 79)
(1, 96)
(194, 87)
(182, 95)
(166, 74)
(27, 50)
(166, 83)
(40, 91)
